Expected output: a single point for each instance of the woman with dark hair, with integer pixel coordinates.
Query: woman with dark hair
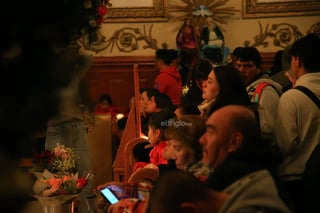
(223, 87)
(192, 95)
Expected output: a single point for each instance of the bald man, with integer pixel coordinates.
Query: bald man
(227, 129)
(230, 143)
(233, 148)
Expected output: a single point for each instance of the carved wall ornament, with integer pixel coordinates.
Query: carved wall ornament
(283, 34)
(315, 28)
(125, 39)
(97, 45)
(200, 9)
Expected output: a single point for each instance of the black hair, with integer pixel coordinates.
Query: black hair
(149, 92)
(248, 54)
(162, 100)
(158, 120)
(141, 153)
(106, 97)
(202, 69)
(232, 88)
(307, 49)
(167, 56)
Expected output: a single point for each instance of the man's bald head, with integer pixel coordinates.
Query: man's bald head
(228, 129)
(242, 119)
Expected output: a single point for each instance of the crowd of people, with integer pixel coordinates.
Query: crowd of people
(247, 144)
(240, 144)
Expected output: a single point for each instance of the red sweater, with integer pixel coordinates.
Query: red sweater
(156, 154)
(169, 82)
(110, 109)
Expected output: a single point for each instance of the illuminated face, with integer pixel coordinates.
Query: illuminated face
(168, 151)
(182, 154)
(216, 140)
(210, 88)
(151, 107)
(248, 70)
(144, 100)
(153, 135)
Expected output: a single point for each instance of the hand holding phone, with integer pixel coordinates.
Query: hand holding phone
(109, 195)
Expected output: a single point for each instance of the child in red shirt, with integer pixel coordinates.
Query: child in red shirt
(157, 123)
(105, 105)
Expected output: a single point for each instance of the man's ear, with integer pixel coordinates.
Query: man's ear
(296, 61)
(300, 62)
(236, 140)
(189, 207)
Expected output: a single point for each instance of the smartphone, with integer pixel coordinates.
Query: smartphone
(109, 195)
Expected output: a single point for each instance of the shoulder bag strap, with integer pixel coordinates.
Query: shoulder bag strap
(310, 94)
(257, 92)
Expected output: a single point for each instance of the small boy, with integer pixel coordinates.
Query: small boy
(157, 123)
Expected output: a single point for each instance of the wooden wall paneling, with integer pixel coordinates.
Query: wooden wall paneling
(114, 75)
(267, 60)
(93, 87)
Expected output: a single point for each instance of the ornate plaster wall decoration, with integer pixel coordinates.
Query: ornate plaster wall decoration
(315, 28)
(283, 34)
(200, 9)
(97, 45)
(125, 39)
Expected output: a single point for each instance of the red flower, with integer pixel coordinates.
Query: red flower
(81, 182)
(99, 20)
(102, 10)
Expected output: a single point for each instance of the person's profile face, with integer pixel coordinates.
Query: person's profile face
(168, 151)
(182, 154)
(151, 106)
(210, 88)
(153, 137)
(215, 140)
(144, 100)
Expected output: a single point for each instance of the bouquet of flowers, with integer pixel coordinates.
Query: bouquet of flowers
(59, 176)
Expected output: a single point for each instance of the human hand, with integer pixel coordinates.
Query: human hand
(112, 185)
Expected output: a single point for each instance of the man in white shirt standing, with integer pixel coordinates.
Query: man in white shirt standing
(298, 122)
